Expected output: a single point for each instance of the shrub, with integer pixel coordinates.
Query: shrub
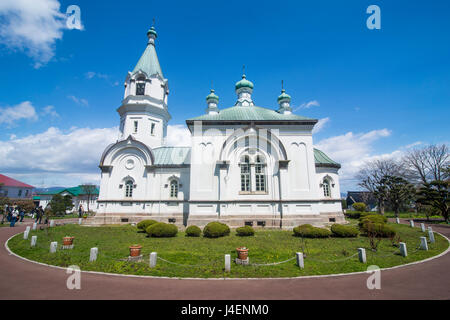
(374, 218)
(245, 231)
(353, 214)
(215, 230)
(162, 230)
(359, 206)
(342, 231)
(379, 230)
(193, 231)
(144, 224)
(308, 231)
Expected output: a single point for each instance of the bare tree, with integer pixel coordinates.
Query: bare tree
(372, 174)
(428, 164)
(89, 190)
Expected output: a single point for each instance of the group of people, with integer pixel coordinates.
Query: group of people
(13, 214)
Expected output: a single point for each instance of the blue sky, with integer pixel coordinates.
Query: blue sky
(377, 92)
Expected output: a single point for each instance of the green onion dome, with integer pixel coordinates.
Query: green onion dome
(284, 96)
(212, 96)
(152, 31)
(244, 83)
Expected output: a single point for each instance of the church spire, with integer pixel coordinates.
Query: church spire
(149, 62)
(284, 100)
(212, 100)
(244, 90)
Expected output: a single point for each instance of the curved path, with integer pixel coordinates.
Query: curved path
(20, 279)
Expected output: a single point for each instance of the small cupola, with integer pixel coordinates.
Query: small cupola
(284, 101)
(212, 100)
(244, 90)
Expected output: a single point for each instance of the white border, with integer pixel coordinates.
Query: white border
(281, 278)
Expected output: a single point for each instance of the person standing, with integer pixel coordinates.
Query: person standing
(80, 211)
(21, 214)
(14, 216)
(39, 213)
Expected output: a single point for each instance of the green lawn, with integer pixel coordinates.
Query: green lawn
(208, 254)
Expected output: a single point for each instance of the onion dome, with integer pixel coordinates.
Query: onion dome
(244, 83)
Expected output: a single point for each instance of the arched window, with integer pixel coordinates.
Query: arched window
(129, 189)
(326, 188)
(174, 189)
(245, 173)
(140, 86)
(260, 176)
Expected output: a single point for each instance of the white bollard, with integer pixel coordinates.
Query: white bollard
(34, 226)
(153, 257)
(362, 255)
(53, 247)
(80, 221)
(28, 229)
(411, 223)
(431, 235)
(52, 223)
(430, 229)
(227, 263)
(93, 255)
(300, 261)
(423, 243)
(25, 234)
(422, 226)
(33, 241)
(403, 250)
(397, 220)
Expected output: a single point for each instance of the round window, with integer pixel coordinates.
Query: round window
(129, 164)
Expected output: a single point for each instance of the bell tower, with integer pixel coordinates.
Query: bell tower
(144, 113)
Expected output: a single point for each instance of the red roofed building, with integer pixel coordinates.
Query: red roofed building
(14, 189)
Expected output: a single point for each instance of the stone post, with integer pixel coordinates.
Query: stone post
(34, 226)
(403, 250)
(93, 255)
(25, 234)
(411, 223)
(422, 226)
(80, 221)
(431, 235)
(423, 243)
(153, 258)
(33, 241)
(300, 261)
(52, 223)
(362, 255)
(397, 220)
(53, 246)
(28, 229)
(227, 263)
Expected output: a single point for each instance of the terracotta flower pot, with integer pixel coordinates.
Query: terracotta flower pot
(135, 251)
(242, 253)
(68, 241)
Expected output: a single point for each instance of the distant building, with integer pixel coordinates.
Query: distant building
(361, 196)
(79, 197)
(14, 189)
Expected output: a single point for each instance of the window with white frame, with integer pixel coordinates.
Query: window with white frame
(174, 189)
(260, 176)
(245, 173)
(129, 189)
(140, 87)
(326, 188)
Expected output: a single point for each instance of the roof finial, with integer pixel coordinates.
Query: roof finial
(282, 88)
(153, 25)
(243, 71)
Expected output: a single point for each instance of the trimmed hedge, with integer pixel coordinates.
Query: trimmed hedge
(308, 231)
(381, 230)
(193, 231)
(144, 224)
(215, 230)
(245, 231)
(374, 218)
(162, 230)
(359, 206)
(343, 231)
(353, 214)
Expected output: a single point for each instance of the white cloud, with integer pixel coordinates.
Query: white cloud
(79, 101)
(50, 110)
(178, 136)
(24, 110)
(319, 125)
(352, 151)
(32, 26)
(307, 105)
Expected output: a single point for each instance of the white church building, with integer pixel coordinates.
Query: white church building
(246, 164)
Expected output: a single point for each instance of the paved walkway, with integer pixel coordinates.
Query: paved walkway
(21, 279)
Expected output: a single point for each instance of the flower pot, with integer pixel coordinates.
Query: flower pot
(242, 253)
(135, 251)
(68, 241)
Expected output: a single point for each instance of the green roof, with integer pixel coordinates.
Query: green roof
(283, 95)
(244, 83)
(169, 156)
(212, 95)
(321, 159)
(149, 62)
(248, 114)
(75, 191)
